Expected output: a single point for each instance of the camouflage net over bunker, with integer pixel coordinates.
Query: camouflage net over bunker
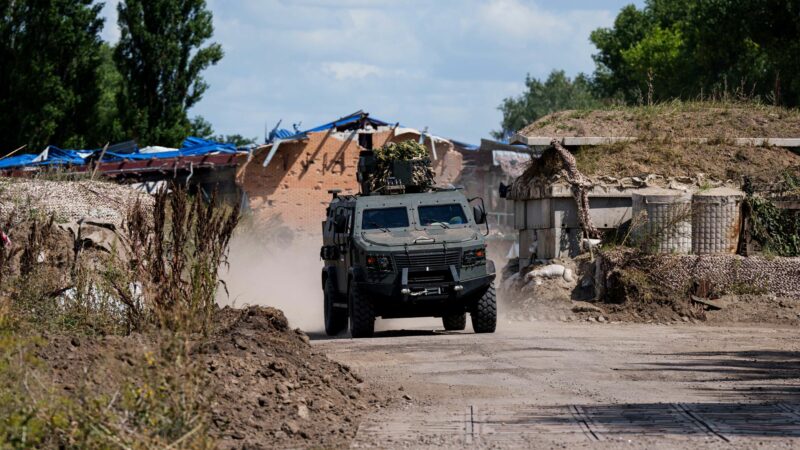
(410, 152)
(675, 275)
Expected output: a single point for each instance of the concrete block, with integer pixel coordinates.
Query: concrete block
(519, 215)
(527, 242)
(609, 212)
(538, 214)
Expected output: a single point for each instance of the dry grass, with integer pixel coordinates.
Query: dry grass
(164, 284)
(670, 121)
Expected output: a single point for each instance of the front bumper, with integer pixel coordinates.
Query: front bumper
(403, 297)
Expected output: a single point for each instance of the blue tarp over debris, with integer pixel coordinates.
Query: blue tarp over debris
(192, 146)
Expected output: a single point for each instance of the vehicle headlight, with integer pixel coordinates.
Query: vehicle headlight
(379, 263)
(474, 257)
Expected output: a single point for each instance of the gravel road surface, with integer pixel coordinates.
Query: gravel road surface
(580, 385)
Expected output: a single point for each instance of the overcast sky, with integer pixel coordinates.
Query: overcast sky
(444, 64)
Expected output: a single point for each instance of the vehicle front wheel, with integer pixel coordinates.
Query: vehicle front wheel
(455, 322)
(335, 317)
(484, 316)
(362, 314)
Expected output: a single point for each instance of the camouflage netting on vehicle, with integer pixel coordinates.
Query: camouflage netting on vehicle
(422, 175)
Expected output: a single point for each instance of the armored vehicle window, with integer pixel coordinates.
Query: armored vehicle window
(375, 219)
(452, 214)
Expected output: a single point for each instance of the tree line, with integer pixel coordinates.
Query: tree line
(61, 84)
(677, 49)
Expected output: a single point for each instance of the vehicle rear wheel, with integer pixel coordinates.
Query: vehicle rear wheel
(484, 316)
(335, 318)
(362, 314)
(455, 322)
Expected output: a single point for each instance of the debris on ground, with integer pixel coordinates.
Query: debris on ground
(265, 385)
(624, 286)
(270, 386)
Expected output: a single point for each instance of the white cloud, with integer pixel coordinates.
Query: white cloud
(351, 70)
(445, 64)
(512, 18)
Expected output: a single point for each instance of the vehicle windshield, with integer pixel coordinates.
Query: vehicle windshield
(376, 219)
(452, 214)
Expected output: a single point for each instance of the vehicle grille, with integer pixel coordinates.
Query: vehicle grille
(424, 260)
(428, 277)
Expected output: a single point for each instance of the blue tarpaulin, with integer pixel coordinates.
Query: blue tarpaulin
(16, 161)
(192, 146)
(286, 135)
(281, 134)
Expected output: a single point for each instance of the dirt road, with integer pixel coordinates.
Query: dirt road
(568, 385)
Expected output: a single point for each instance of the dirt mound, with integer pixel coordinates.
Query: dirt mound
(257, 382)
(661, 148)
(674, 120)
(271, 388)
(719, 161)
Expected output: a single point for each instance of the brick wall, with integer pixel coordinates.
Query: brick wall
(295, 183)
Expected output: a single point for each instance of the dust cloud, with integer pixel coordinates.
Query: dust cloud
(285, 275)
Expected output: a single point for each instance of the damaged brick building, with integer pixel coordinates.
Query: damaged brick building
(289, 176)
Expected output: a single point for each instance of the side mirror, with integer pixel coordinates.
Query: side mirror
(340, 223)
(479, 214)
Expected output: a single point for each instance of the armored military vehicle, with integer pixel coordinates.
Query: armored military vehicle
(405, 248)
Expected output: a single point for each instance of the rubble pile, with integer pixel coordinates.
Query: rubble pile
(269, 385)
(264, 386)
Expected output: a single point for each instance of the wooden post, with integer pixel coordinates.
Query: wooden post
(15, 151)
(97, 163)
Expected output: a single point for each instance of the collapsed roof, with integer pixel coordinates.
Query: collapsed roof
(358, 121)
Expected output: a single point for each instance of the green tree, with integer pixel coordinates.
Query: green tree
(108, 124)
(202, 128)
(685, 49)
(160, 56)
(50, 51)
(557, 93)
(235, 139)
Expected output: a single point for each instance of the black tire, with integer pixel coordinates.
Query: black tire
(455, 322)
(484, 316)
(362, 314)
(335, 318)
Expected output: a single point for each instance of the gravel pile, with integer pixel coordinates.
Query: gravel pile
(70, 200)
